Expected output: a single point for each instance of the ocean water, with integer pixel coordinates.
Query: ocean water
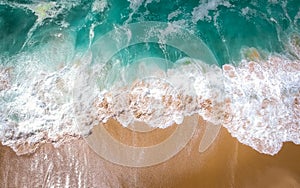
(66, 66)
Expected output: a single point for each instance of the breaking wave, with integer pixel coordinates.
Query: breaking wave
(56, 86)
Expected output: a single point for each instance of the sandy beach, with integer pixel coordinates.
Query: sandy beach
(146, 94)
(227, 163)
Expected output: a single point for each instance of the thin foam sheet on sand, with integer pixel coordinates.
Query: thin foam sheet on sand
(227, 163)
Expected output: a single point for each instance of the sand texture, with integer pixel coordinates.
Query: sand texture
(227, 163)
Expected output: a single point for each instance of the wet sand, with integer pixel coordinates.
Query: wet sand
(227, 163)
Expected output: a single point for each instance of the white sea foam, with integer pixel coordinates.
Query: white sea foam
(99, 5)
(201, 12)
(297, 17)
(4, 78)
(264, 102)
(174, 14)
(43, 11)
(257, 101)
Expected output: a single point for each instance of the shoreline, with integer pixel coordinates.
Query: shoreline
(227, 163)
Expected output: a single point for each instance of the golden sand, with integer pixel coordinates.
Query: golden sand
(227, 163)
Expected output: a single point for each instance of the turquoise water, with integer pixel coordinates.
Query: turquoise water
(69, 62)
(225, 26)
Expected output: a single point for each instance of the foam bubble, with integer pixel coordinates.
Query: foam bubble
(5, 78)
(174, 14)
(264, 99)
(201, 12)
(259, 103)
(99, 5)
(259, 106)
(294, 44)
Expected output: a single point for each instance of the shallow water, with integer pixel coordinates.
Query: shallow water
(71, 65)
(76, 164)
